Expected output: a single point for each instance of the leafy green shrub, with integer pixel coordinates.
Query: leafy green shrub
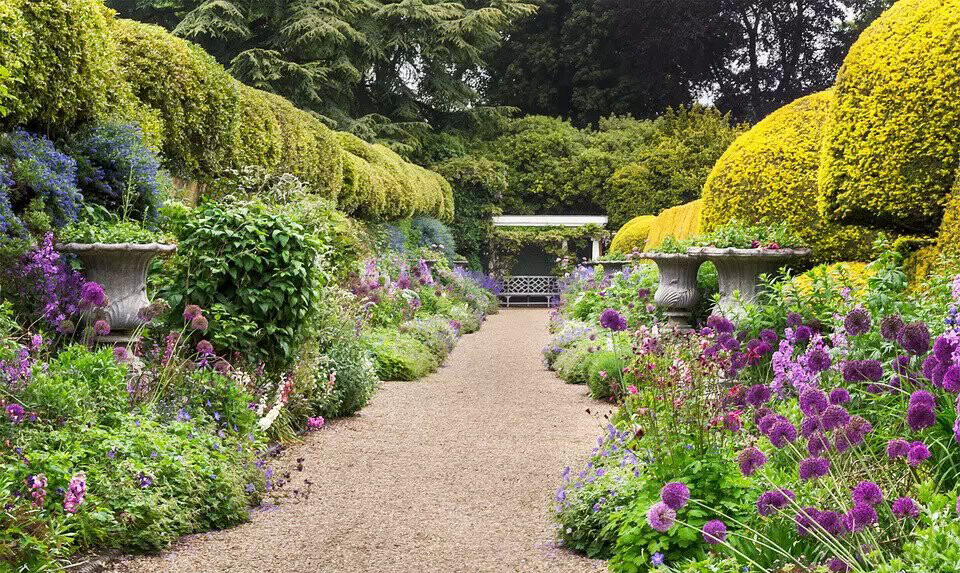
(255, 268)
(434, 332)
(345, 378)
(892, 142)
(606, 367)
(468, 319)
(477, 185)
(400, 356)
(573, 365)
(434, 234)
(194, 96)
(769, 175)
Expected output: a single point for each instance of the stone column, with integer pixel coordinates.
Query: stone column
(595, 256)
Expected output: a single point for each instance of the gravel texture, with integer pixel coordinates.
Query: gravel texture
(453, 473)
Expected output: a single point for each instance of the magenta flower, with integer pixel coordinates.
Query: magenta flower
(204, 348)
(101, 328)
(758, 395)
(675, 495)
(867, 492)
(751, 459)
(76, 491)
(813, 401)
(613, 320)
(897, 448)
(817, 444)
(919, 453)
(714, 532)
(315, 423)
(199, 323)
(839, 396)
(857, 322)
(834, 417)
(891, 326)
(783, 432)
(915, 338)
(16, 413)
(904, 508)
(770, 501)
(862, 371)
(91, 294)
(860, 517)
(837, 565)
(920, 416)
(661, 517)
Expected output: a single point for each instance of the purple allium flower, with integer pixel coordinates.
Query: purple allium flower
(919, 452)
(767, 423)
(66, 327)
(812, 468)
(91, 294)
(898, 448)
(805, 520)
(920, 416)
(101, 328)
(830, 521)
(120, 354)
(758, 395)
(867, 492)
(862, 371)
(714, 532)
(781, 433)
(675, 495)
(794, 320)
(813, 401)
(857, 322)
(915, 338)
(904, 508)
(837, 565)
(751, 459)
(922, 397)
(951, 379)
(834, 417)
(661, 517)
(818, 359)
(613, 320)
(944, 348)
(769, 336)
(199, 323)
(890, 326)
(802, 333)
(770, 501)
(204, 348)
(860, 517)
(222, 366)
(191, 312)
(930, 365)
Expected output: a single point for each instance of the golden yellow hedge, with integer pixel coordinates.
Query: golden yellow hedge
(849, 274)
(892, 142)
(944, 255)
(680, 222)
(769, 175)
(633, 235)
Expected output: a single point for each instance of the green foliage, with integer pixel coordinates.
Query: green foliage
(769, 175)
(933, 547)
(95, 226)
(255, 265)
(400, 356)
(478, 184)
(509, 240)
(890, 153)
(199, 115)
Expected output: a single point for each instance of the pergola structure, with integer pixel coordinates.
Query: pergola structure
(531, 278)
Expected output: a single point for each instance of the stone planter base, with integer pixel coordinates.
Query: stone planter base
(739, 270)
(121, 269)
(677, 292)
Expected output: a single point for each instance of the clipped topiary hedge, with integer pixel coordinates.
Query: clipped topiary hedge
(769, 175)
(197, 100)
(63, 64)
(679, 222)
(892, 143)
(633, 235)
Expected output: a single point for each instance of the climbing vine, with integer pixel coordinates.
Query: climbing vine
(559, 242)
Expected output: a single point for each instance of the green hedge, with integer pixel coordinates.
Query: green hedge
(195, 97)
(892, 144)
(769, 175)
(62, 61)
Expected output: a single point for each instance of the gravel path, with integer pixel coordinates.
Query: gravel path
(453, 473)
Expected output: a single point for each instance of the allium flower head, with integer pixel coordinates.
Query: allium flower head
(951, 379)
(943, 349)
(813, 401)
(751, 459)
(818, 359)
(758, 395)
(199, 323)
(805, 520)
(191, 312)
(897, 448)
(930, 365)
(714, 532)
(661, 517)
(920, 416)
(839, 396)
(919, 453)
(862, 371)
(766, 423)
(720, 324)
(613, 320)
(857, 322)
(794, 320)
(923, 397)
(770, 501)
(802, 333)
(101, 328)
(904, 508)
(809, 426)
(837, 565)
(120, 354)
(769, 336)
(812, 468)
(915, 338)
(890, 326)
(860, 517)
(867, 492)
(204, 348)
(783, 432)
(92, 295)
(675, 495)
(834, 417)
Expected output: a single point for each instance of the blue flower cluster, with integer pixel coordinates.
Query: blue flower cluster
(117, 170)
(10, 224)
(39, 169)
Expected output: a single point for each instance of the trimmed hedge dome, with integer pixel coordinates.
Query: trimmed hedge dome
(769, 175)
(680, 222)
(633, 235)
(892, 143)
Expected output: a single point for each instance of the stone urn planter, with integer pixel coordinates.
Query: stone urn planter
(121, 269)
(677, 292)
(739, 270)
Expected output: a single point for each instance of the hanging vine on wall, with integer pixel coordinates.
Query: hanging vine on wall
(559, 242)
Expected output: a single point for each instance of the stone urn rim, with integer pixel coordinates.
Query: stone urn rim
(654, 256)
(161, 248)
(617, 262)
(758, 253)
